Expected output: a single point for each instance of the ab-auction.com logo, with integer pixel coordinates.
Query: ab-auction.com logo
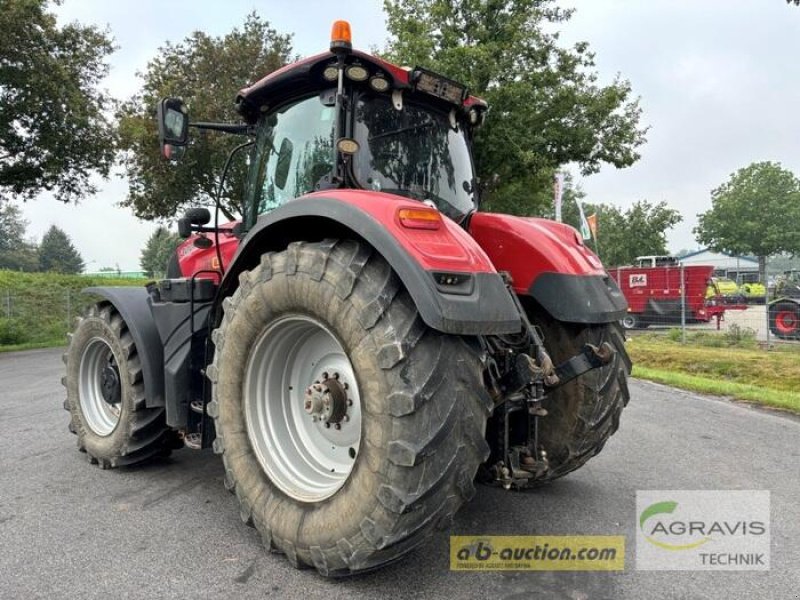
(707, 530)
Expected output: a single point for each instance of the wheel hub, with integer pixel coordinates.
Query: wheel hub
(327, 400)
(110, 387)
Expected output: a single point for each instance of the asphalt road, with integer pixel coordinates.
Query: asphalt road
(170, 530)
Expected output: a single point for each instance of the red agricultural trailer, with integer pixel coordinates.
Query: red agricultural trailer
(654, 295)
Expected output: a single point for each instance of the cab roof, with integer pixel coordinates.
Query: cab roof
(305, 76)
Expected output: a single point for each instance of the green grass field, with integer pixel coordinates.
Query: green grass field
(737, 369)
(38, 309)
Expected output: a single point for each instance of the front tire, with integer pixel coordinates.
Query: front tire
(106, 395)
(404, 461)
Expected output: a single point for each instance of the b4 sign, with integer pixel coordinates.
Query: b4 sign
(637, 280)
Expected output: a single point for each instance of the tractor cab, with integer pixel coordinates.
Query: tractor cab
(344, 119)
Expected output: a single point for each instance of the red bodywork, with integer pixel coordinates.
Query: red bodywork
(201, 261)
(655, 292)
(525, 247)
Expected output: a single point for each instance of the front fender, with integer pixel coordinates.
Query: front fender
(549, 262)
(132, 305)
(483, 307)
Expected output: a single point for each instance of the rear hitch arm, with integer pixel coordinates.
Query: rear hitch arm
(590, 357)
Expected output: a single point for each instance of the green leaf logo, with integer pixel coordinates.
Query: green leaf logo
(660, 508)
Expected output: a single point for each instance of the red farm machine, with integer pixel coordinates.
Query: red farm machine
(655, 293)
(365, 343)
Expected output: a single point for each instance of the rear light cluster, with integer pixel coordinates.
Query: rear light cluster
(454, 283)
(420, 218)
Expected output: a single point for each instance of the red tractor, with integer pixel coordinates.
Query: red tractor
(364, 343)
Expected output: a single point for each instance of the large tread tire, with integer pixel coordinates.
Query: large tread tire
(141, 432)
(424, 410)
(584, 413)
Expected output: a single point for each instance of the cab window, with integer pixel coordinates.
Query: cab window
(294, 150)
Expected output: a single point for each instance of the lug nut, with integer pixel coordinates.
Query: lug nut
(327, 425)
(349, 402)
(324, 376)
(345, 386)
(336, 375)
(338, 426)
(345, 418)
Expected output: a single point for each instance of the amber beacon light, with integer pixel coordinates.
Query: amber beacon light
(341, 38)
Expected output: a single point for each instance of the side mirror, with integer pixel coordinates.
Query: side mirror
(193, 216)
(173, 127)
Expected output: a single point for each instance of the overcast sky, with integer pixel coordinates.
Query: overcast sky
(717, 79)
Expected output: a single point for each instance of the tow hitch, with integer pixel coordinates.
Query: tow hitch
(522, 376)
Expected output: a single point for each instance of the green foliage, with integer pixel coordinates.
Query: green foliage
(54, 131)
(57, 254)
(39, 308)
(157, 251)
(757, 211)
(547, 107)
(206, 72)
(623, 235)
(16, 253)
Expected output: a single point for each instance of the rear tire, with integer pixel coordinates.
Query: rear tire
(102, 362)
(585, 412)
(420, 401)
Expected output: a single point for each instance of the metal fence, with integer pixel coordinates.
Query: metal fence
(689, 303)
(39, 316)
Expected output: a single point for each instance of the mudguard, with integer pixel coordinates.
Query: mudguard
(549, 262)
(482, 305)
(133, 307)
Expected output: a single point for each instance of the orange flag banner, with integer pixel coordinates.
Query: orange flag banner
(592, 222)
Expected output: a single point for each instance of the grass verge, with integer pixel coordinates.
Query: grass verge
(771, 378)
(38, 309)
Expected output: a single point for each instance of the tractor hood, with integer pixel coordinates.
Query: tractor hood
(549, 262)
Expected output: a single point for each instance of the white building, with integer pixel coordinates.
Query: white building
(725, 265)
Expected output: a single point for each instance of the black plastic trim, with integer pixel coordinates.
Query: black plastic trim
(579, 298)
(131, 302)
(488, 309)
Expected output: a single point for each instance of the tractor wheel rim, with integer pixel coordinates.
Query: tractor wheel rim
(786, 321)
(305, 439)
(101, 417)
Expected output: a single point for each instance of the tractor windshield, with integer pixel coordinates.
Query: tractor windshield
(414, 152)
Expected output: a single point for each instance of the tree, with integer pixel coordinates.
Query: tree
(547, 108)
(206, 72)
(57, 254)
(157, 252)
(54, 128)
(16, 254)
(757, 211)
(623, 235)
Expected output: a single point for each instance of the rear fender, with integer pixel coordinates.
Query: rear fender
(484, 306)
(133, 307)
(549, 262)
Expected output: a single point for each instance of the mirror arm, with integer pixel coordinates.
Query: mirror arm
(235, 128)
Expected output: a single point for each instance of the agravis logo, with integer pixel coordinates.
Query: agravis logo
(704, 529)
